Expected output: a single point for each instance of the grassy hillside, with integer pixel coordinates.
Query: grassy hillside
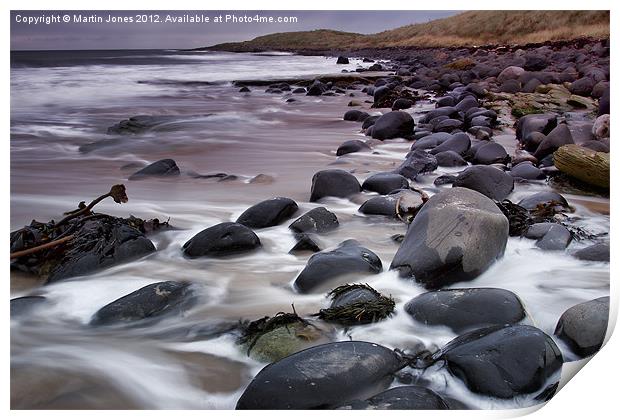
(465, 29)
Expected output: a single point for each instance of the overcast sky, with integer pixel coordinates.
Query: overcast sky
(58, 36)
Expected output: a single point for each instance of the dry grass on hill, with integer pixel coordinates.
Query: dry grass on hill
(465, 29)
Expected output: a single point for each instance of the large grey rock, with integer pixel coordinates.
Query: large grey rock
(222, 240)
(410, 397)
(334, 183)
(450, 159)
(161, 168)
(488, 180)
(466, 309)
(392, 125)
(503, 361)
(510, 73)
(596, 252)
(351, 146)
(324, 376)
(584, 325)
(385, 183)
(416, 162)
(458, 143)
(268, 213)
(348, 258)
(490, 153)
(317, 220)
(149, 302)
(550, 236)
(456, 236)
(558, 137)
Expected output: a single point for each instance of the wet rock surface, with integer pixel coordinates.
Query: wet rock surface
(268, 213)
(154, 300)
(503, 361)
(222, 240)
(437, 252)
(488, 180)
(401, 398)
(464, 310)
(348, 258)
(325, 376)
(584, 325)
(333, 183)
(161, 168)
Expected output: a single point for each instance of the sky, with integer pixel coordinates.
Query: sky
(47, 29)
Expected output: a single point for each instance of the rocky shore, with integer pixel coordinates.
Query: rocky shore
(505, 117)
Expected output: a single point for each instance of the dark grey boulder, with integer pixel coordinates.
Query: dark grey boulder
(348, 258)
(596, 145)
(584, 325)
(149, 302)
(416, 163)
(384, 205)
(510, 86)
(526, 170)
(532, 141)
(430, 141)
(488, 180)
(542, 123)
(445, 101)
(268, 213)
(402, 103)
(458, 143)
(448, 111)
(385, 183)
(603, 103)
(401, 204)
(392, 125)
(535, 62)
(582, 87)
(448, 125)
(410, 397)
(299, 90)
(531, 85)
(370, 121)
(466, 103)
(355, 115)
(444, 179)
(464, 310)
(342, 60)
(490, 153)
(26, 304)
(503, 361)
(304, 244)
(550, 236)
(544, 198)
(164, 167)
(317, 88)
(317, 220)
(140, 124)
(596, 252)
(456, 236)
(324, 376)
(450, 159)
(558, 137)
(333, 183)
(222, 240)
(351, 146)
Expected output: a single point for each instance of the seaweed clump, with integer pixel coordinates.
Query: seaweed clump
(354, 304)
